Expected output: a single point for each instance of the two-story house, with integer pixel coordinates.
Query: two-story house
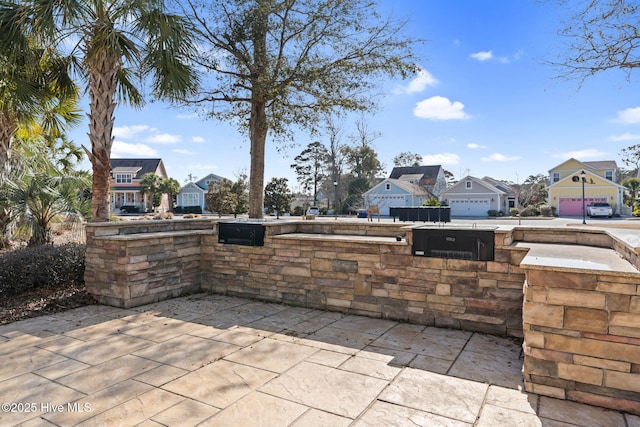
(566, 186)
(125, 183)
(193, 193)
(406, 186)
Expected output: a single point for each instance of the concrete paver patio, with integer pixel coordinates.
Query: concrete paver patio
(215, 360)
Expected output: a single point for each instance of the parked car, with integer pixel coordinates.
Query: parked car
(313, 210)
(599, 209)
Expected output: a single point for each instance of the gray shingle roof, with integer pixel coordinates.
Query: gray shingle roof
(145, 165)
(429, 173)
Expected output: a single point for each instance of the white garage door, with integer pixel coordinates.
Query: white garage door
(473, 207)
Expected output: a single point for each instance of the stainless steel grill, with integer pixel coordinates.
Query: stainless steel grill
(476, 245)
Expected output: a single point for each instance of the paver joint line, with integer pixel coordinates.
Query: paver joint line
(332, 372)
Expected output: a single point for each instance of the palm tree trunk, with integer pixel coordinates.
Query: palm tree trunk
(7, 131)
(102, 87)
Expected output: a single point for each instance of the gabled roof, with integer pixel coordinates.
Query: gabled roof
(192, 186)
(483, 182)
(412, 189)
(411, 177)
(141, 166)
(590, 178)
(603, 165)
(429, 173)
(500, 185)
(596, 165)
(202, 182)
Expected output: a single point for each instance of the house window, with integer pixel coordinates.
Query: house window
(387, 186)
(556, 176)
(190, 199)
(123, 178)
(608, 175)
(468, 185)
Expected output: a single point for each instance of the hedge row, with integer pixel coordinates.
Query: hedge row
(45, 266)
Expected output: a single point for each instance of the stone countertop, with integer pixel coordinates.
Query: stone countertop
(154, 235)
(575, 258)
(342, 238)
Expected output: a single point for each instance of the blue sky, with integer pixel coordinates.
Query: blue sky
(486, 103)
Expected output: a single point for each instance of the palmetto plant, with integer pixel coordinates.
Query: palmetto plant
(114, 45)
(37, 199)
(38, 101)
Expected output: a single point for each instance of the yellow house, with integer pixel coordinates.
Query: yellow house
(566, 186)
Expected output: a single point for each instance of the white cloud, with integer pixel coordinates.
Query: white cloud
(201, 167)
(497, 157)
(198, 139)
(127, 132)
(488, 55)
(587, 153)
(164, 138)
(625, 137)
(475, 146)
(628, 116)
(440, 108)
(423, 80)
(183, 151)
(120, 148)
(482, 56)
(441, 159)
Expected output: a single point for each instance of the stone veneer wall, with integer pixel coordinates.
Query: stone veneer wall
(371, 276)
(581, 329)
(138, 262)
(582, 337)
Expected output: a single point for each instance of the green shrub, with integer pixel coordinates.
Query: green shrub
(529, 211)
(493, 212)
(514, 211)
(129, 209)
(44, 266)
(636, 212)
(546, 210)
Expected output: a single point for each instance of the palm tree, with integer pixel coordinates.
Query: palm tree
(149, 184)
(38, 101)
(37, 94)
(113, 41)
(171, 188)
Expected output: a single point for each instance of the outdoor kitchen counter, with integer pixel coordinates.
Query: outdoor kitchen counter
(575, 258)
(342, 238)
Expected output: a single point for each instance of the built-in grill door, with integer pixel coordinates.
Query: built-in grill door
(476, 245)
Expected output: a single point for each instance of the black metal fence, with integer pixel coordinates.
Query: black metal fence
(422, 213)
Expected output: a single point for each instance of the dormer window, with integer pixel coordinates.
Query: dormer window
(608, 175)
(468, 185)
(123, 178)
(556, 176)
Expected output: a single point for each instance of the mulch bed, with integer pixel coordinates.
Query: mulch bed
(43, 301)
